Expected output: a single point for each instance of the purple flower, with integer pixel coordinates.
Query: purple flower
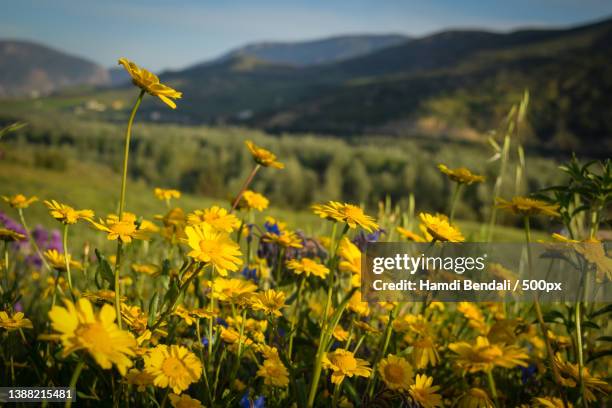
(362, 239)
(250, 273)
(246, 402)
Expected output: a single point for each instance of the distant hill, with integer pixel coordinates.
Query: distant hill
(323, 51)
(27, 68)
(454, 84)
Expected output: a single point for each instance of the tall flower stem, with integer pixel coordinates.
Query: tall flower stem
(67, 259)
(126, 152)
(296, 315)
(454, 199)
(538, 309)
(32, 240)
(492, 387)
(126, 156)
(246, 184)
(73, 381)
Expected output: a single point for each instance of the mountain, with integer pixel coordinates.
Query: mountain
(28, 68)
(452, 84)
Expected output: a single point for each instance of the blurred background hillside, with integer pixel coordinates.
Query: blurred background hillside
(361, 106)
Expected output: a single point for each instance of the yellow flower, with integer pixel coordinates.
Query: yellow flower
(348, 213)
(286, 239)
(140, 379)
(424, 352)
(344, 364)
(440, 228)
(15, 322)
(99, 335)
(409, 235)
(423, 393)
(528, 206)
(356, 305)
(149, 83)
(476, 398)
(184, 314)
(19, 200)
(351, 256)
(269, 301)
(262, 156)
(232, 336)
(474, 315)
(340, 334)
(570, 374)
(308, 267)
(232, 290)
(66, 214)
(483, 356)
(255, 200)
(396, 372)
(461, 175)
(146, 269)
(274, 373)
(134, 317)
(213, 247)
(173, 366)
(8, 235)
(550, 402)
(58, 261)
(184, 401)
(216, 216)
(124, 229)
(166, 194)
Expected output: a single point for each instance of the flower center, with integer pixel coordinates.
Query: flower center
(394, 373)
(94, 337)
(173, 367)
(124, 228)
(345, 362)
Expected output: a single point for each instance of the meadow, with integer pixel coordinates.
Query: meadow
(221, 266)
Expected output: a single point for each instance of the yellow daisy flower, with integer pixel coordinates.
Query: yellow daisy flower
(66, 214)
(461, 175)
(216, 216)
(232, 290)
(396, 372)
(184, 401)
(15, 322)
(8, 235)
(19, 200)
(286, 239)
(58, 260)
(425, 352)
(409, 235)
(483, 356)
(146, 269)
(213, 247)
(308, 267)
(423, 393)
(149, 82)
(550, 402)
(528, 206)
(255, 200)
(141, 379)
(173, 366)
(440, 228)
(348, 213)
(476, 398)
(262, 156)
(166, 194)
(124, 229)
(356, 305)
(274, 373)
(340, 334)
(81, 329)
(269, 301)
(344, 364)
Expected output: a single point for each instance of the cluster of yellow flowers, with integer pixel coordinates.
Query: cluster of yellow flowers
(210, 308)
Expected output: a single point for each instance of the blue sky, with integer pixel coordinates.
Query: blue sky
(162, 34)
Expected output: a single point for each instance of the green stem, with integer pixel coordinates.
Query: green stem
(246, 184)
(336, 395)
(296, 316)
(32, 240)
(126, 152)
(67, 260)
(382, 350)
(117, 284)
(73, 381)
(492, 387)
(454, 200)
(580, 352)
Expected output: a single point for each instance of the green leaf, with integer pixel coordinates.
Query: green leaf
(599, 354)
(105, 270)
(604, 338)
(603, 310)
(590, 325)
(153, 305)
